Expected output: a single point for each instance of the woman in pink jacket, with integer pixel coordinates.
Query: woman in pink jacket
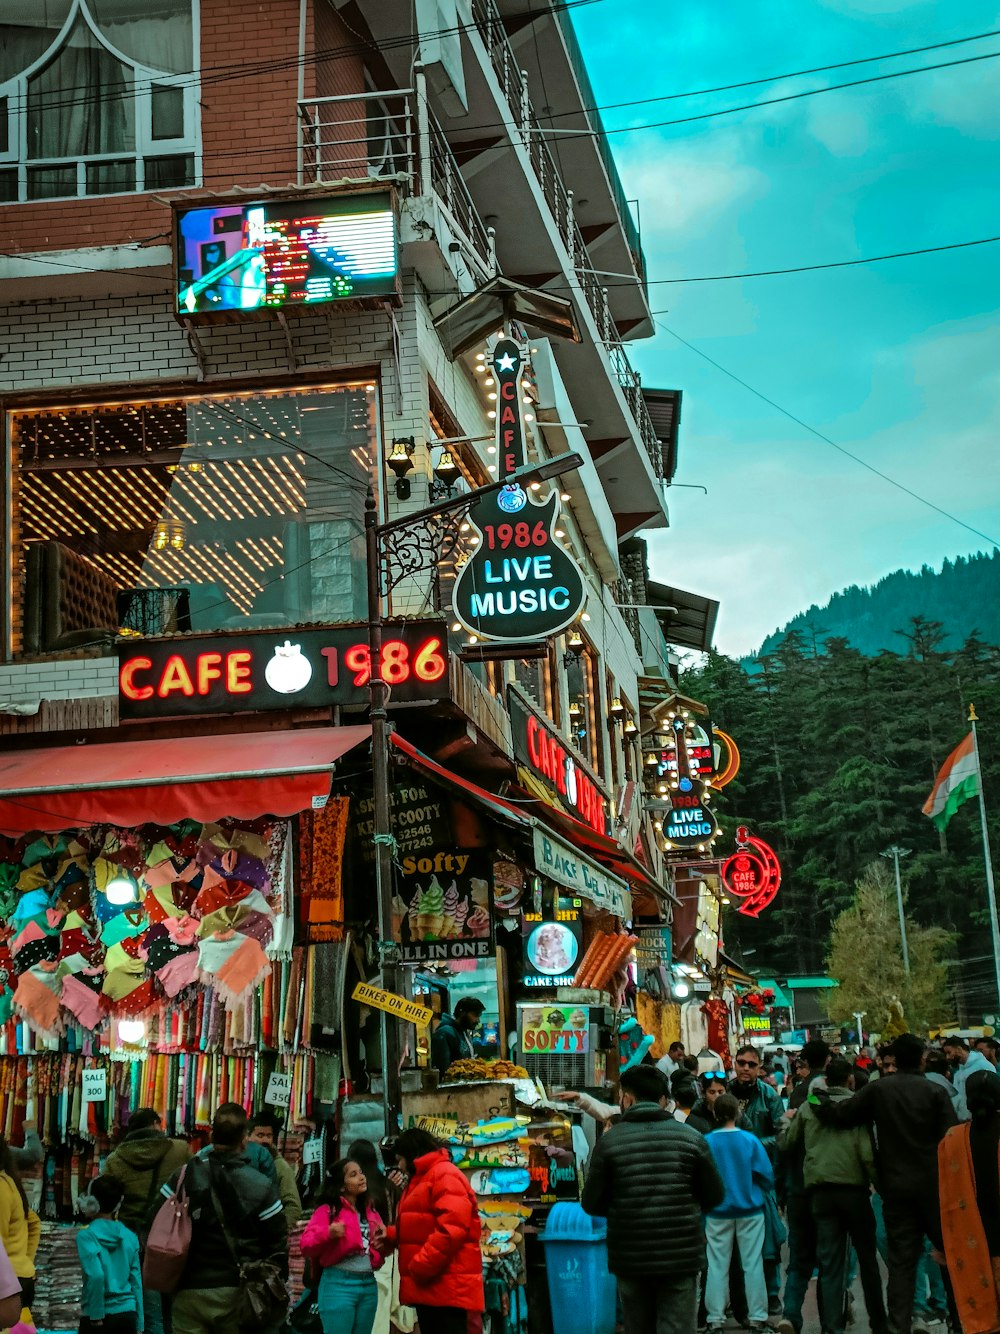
(338, 1238)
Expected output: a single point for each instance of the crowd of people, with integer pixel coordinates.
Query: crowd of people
(892, 1153)
(703, 1178)
(182, 1242)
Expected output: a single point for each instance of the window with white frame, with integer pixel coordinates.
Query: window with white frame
(97, 97)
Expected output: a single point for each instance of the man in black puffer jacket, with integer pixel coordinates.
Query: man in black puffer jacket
(652, 1179)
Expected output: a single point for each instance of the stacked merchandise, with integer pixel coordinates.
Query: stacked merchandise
(58, 1280)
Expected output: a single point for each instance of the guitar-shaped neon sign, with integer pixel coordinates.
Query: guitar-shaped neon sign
(689, 823)
(520, 583)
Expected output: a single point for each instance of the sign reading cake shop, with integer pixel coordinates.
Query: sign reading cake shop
(442, 907)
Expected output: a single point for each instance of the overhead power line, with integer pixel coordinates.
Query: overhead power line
(794, 97)
(856, 458)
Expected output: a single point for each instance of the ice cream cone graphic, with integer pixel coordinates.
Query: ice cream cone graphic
(430, 913)
(398, 913)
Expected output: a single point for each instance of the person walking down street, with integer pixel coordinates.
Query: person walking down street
(938, 1071)
(654, 1180)
(233, 1208)
(969, 1169)
(264, 1131)
(798, 1214)
(838, 1170)
(340, 1239)
(762, 1113)
(452, 1039)
(713, 1085)
(988, 1047)
(437, 1234)
(111, 1301)
(685, 1096)
(910, 1115)
(673, 1061)
(738, 1220)
(143, 1161)
(964, 1062)
(20, 1226)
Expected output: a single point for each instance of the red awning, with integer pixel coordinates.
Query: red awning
(206, 777)
(497, 807)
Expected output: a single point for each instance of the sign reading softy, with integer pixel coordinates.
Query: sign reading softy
(278, 669)
(441, 907)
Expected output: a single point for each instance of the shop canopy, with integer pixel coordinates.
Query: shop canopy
(604, 850)
(168, 779)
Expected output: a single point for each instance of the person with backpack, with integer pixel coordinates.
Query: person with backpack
(111, 1301)
(142, 1162)
(339, 1238)
(20, 1226)
(236, 1223)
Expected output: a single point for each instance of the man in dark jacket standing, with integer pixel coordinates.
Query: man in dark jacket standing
(144, 1160)
(910, 1115)
(653, 1179)
(452, 1040)
(246, 1205)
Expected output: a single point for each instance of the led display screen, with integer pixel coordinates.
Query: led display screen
(243, 257)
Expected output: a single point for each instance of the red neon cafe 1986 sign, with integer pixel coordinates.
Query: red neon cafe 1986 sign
(278, 670)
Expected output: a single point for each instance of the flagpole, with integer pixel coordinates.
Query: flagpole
(987, 855)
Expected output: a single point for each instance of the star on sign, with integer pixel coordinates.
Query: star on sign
(505, 363)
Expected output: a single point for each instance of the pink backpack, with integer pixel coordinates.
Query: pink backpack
(168, 1242)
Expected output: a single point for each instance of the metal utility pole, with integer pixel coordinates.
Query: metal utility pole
(859, 1015)
(895, 852)
(991, 892)
(382, 813)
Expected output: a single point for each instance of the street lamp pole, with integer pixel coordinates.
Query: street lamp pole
(377, 693)
(375, 534)
(895, 852)
(859, 1015)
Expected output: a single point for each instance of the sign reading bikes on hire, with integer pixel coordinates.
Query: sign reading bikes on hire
(281, 669)
(520, 583)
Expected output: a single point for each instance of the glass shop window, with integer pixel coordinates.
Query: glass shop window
(199, 514)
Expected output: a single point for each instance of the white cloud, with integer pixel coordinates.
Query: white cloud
(687, 188)
(843, 131)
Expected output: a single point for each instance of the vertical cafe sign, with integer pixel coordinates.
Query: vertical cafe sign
(520, 583)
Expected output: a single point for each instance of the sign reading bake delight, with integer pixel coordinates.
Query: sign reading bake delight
(441, 908)
(563, 864)
(279, 669)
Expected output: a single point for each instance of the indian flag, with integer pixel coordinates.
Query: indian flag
(957, 782)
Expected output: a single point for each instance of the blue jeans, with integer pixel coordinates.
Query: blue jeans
(347, 1302)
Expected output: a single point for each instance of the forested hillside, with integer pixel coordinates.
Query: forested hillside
(964, 595)
(840, 750)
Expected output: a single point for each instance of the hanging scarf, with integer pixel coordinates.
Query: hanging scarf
(973, 1276)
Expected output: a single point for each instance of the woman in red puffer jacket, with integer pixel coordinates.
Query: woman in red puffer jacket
(437, 1235)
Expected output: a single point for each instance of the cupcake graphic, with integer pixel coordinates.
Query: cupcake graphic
(478, 924)
(430, 913)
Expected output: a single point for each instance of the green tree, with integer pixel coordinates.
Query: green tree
(866, 958)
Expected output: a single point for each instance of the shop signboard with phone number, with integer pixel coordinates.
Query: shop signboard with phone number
(279, 669)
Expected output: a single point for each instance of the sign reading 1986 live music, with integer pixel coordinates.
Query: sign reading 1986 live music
(520, 582)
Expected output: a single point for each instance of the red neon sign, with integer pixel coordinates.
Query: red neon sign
(553, 761)
(752, 873)
(284, 669)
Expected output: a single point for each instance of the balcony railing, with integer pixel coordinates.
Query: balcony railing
(391, 137)
(514, 83)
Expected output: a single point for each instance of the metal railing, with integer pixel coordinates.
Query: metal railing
(389, 136)
(514, 83)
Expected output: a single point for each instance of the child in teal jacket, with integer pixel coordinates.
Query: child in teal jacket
(109, 1257)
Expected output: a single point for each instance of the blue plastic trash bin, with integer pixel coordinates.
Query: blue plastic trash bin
(582, 1294)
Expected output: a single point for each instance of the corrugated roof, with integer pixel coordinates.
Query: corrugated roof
(664, 407)
(691, 623)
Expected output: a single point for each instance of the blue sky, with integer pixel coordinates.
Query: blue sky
(898, 362)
